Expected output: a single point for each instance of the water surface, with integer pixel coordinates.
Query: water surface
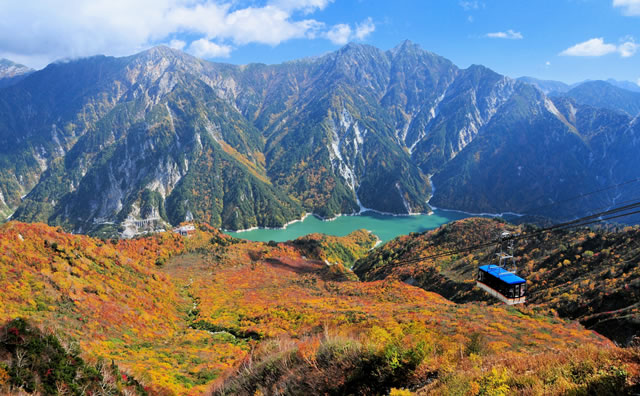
(386, 227)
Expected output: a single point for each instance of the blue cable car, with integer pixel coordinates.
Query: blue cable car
(502, 284)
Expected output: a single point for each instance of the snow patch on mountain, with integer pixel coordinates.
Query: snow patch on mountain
(111, 202)
(548, 104)
(404, 201)
(358, 140)
(500, 94)
(340, 137)
(424, 128)
(214, 131)
(39, 155)
(466, 134)
(337, 161)
(572, 113)
(59, 149)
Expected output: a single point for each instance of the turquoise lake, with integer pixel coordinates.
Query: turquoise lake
(386, 227)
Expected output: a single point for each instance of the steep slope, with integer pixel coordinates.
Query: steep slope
(160, 116)
(470, 102)
(336, 148)
(590, 276)
(524, 154)
(536, 154)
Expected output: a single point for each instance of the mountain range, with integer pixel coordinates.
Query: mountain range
(558, 87)
(107, 146)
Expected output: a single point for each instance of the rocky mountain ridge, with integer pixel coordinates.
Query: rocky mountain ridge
(109, 145)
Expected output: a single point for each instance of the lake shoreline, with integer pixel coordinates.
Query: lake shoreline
(472, 214)
(327, 219)
(385, 227)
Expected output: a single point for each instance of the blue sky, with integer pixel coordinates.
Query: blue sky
(566, 40)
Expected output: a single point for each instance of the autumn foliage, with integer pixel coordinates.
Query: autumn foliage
(589, 275)
(213, 314)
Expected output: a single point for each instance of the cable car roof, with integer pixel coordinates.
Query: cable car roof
(505, 276)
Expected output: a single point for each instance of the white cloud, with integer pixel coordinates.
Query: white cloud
(266, 25)
(339, 34)
(38, 32)
(547, 64)
(509, 34)
(628, 47)
(597, 47)
(629, 7)
(305, 6)
(177, 44)
(471, 5)
(638, 82)
(204, 48)
(593, 47)
(364, 29)
(342, 33)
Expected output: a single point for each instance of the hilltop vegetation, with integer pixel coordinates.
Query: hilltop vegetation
(34, 362)
(591, 276)
(213, 314)
(337, 250)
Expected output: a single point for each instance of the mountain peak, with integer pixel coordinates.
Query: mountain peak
(628, 85)
(480, 71)
(546, 86)
(11, 72)
(160, 57)
(405, 46)
(351, 46)
(357, 51)
(603, 94)
(161, 51)
(9, 68)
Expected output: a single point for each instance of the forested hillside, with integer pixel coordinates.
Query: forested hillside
(122, 146)
(586, 275)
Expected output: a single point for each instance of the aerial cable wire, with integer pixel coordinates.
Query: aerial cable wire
(581, 222)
